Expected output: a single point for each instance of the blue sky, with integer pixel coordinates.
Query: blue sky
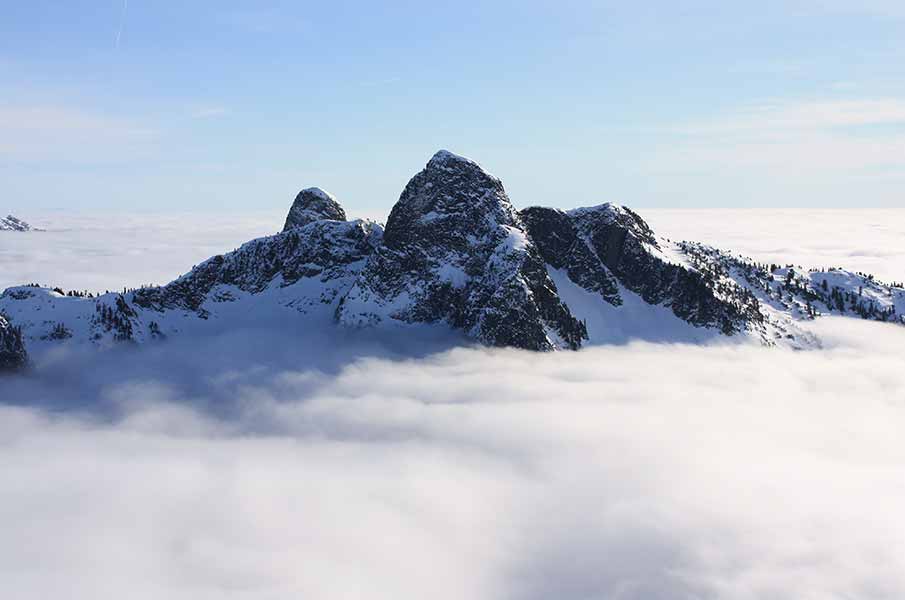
(237, 105)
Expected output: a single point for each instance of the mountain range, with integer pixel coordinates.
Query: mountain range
(456, 253)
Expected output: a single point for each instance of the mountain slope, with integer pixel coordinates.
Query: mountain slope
(607, 246)
(303, 271)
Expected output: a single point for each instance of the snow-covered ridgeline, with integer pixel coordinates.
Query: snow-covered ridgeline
(455, 252)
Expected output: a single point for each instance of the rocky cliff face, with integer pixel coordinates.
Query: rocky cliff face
(456, 251)
(559, 242)
(607, 245)
(13, 356)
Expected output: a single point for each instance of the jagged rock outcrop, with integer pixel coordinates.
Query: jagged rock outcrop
(13, 356)
(313, 204)
(11, 223)
(455, 250)
(330, 252)
(606, 244)
(559, 243)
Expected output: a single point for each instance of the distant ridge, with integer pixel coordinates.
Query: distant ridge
(11, 223)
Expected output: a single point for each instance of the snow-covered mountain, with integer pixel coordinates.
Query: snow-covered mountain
(456, 253)
(11, 223)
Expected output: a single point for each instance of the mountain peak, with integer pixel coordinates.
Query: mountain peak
(449, 161)
(313, 204)
(445, 156)
(455, 250)
(452, 195)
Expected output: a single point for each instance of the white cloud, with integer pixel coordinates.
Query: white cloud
(872, 241)
(209, 112)
(380, 82)
(304, 463)
(47, 133)
(882, 8)
(109, 251)
(775, 66)
(796, 140)
(735, 473)
(263, 20)
(844, 85)
(772, 118)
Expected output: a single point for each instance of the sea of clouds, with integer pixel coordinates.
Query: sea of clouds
(109, 251)
(271, 465)
(867, 240)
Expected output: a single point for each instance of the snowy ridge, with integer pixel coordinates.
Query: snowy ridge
(11, 223)
(456, 253)
(303, 271)
(801, 294)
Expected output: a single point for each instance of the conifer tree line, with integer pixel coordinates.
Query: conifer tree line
(786, 286)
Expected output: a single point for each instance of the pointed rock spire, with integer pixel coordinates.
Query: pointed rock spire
(452, 197)
(313, 204)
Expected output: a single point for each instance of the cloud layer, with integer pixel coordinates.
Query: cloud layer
(300, 469)
(101, 252)
(108, 251)
(872, 241)
(335, 464)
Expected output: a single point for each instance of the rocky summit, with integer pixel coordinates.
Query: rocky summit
(456, 253)
(455, 250)
(313, 204)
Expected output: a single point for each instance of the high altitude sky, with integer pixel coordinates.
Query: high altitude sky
(235, 105)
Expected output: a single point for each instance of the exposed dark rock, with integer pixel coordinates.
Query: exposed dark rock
(313, 204)
(628, 248)
(606, 244)
(328, 250)
(560, 245)
(455, 250)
